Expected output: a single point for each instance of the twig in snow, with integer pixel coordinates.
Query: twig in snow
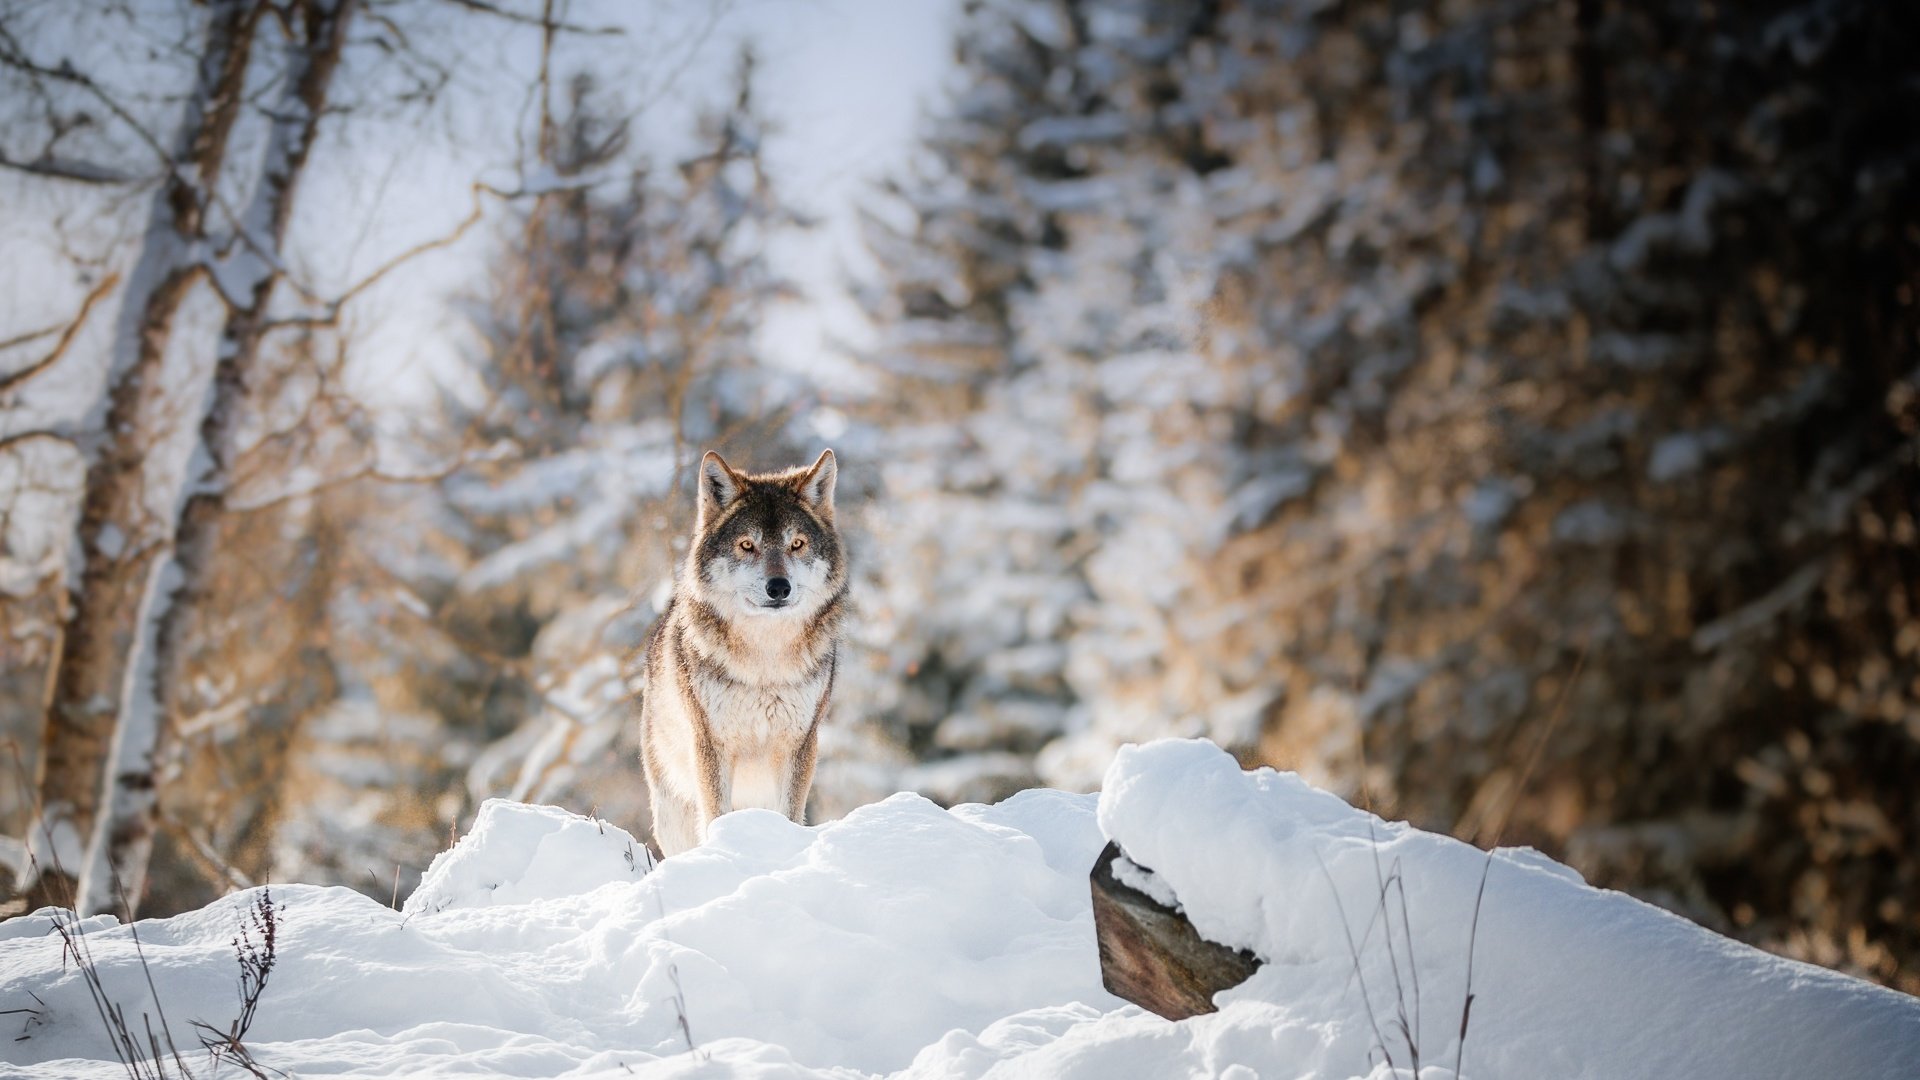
(257, 949)
(34, 1017)
(680, 1007)
(143, 1059)
(146, 972)
(393, 903)
(673, 970)
(1526, 773)
(1353, 951)
(1408, 1031)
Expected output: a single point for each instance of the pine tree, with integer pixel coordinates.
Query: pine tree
(1340, 382)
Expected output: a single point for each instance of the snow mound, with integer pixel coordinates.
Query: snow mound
(516, 854)
(841, 950)
(1568, 980)
(927, 944)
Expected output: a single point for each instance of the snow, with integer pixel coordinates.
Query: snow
(518, 854)
(913, 941)
(1568, 980)
(1128, 873)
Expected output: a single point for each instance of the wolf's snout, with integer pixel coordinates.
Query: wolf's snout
(778, 588)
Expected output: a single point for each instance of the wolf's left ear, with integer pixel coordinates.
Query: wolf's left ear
(816, 487)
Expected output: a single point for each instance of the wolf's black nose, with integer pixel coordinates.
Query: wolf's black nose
(778, 588)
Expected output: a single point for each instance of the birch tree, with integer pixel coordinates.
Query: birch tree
(124, 834)
(122, 542)
(214, 231)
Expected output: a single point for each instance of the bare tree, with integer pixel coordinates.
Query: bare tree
(144, 537)
(121, 545)
(318, 33)
(205, 299)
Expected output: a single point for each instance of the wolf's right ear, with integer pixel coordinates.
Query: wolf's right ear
(719, 486)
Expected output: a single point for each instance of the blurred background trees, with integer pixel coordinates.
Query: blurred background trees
(1506, 415)
(1348, 378)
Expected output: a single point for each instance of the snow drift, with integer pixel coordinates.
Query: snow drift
(1568, 980)
(908, 940)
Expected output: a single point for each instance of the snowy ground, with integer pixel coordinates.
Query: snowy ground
(908, 940)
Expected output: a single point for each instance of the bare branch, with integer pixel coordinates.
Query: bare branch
(203, 856)
(332, 307)
(1763, 611)
(487, 8)
(192, 175)
(80, 172)
(19, 438)
(13, 379)
(13, 56)
(369, 473)
(18, 340)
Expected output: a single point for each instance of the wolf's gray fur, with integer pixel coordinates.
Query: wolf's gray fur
(740, 667)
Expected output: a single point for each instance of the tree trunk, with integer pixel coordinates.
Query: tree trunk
(125, 832)
(121, 544)
(313, 684)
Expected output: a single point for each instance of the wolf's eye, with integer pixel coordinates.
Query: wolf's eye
(746, 546)
(799, 543)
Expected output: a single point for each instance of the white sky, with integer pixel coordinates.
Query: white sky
(846, 83)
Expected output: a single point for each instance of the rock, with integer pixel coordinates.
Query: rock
(1151, 955)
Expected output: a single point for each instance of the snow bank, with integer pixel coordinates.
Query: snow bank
(910, 941)
(516, 854)
(1568, 980)
(530, 950)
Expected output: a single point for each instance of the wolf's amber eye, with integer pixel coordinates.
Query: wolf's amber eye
(746, 546)
(799, 542)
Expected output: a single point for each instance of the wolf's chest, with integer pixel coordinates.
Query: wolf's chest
(740, 713)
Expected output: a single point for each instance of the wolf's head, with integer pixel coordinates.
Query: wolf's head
(765, 544)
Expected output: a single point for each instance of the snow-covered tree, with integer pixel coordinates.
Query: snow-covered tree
(481, 644)
(1341, 381)
(215, 219)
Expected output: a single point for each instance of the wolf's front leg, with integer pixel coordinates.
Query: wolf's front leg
(715, 778)
(760, 780)
(776, 779)
(676, 823)
(800, 775)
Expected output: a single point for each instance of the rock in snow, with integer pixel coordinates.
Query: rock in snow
(1149, 953)
(907, 940)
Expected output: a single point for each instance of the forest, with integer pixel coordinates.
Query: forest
(1503, 413)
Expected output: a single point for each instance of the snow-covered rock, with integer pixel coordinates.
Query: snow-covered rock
(911, 941)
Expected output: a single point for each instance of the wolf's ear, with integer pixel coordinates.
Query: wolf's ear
(719, 486)
(816, 487)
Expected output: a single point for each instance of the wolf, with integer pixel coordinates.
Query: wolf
(740, 666)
